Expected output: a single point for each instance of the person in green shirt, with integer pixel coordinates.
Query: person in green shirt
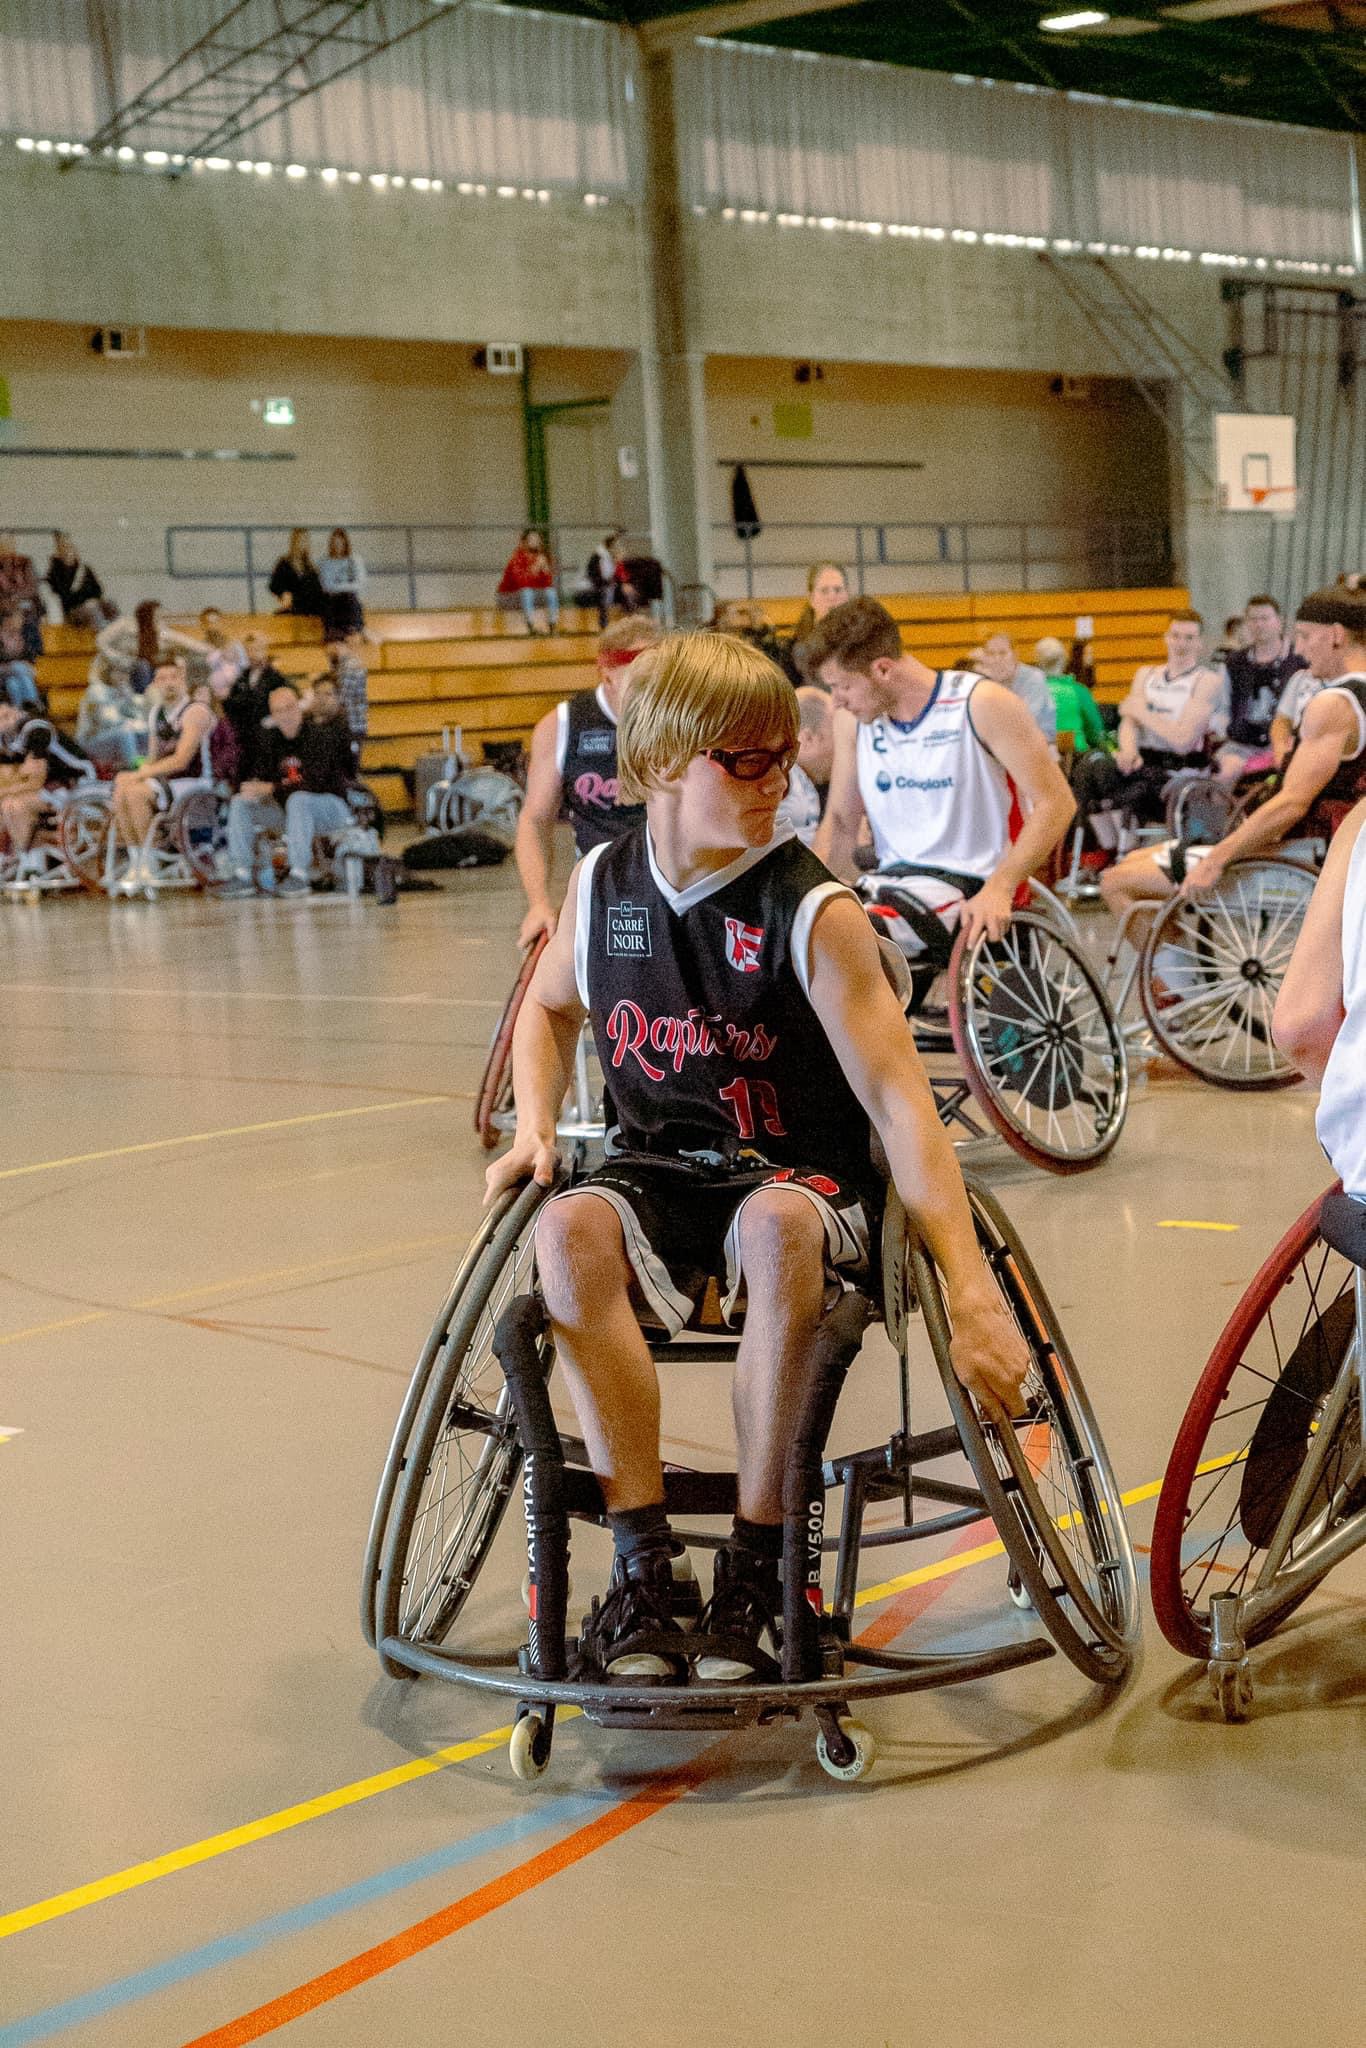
(1076, 708)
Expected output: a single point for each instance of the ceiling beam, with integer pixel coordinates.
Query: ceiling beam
(728, 20)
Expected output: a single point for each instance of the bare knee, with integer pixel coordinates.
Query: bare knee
(580, 1255)
(782, 1245)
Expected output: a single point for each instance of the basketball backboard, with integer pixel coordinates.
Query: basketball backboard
(1254, 455)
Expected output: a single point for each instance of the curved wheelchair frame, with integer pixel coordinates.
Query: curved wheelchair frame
(1040, 1053)
(1265, 1489)
(45, 870)
(478, 1400)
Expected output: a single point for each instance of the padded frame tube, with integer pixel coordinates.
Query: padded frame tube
(516, 1344)
(836, 1345)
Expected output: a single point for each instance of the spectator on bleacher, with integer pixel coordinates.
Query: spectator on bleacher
(808, 784)
(247, 704)
(133, 647)
(178, 753)
(599, 586)
(529, 575)
(1234, 636)
(226, 657)
(342, 575)
(348, 672)
(999, 663)
(301, 775)
(75, 586)
(323, 703)
(225, 749)
(295, 582)
(1257, 674)
(111, 720)
(826, 586)
(744, 620)
(18, 677)
(1079, 663)
(19, 588)
(1074, 708)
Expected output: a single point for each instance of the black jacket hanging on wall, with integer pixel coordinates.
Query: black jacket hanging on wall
(743, 510)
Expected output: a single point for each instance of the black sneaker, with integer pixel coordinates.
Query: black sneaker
(746, 1598)
(632, 1634)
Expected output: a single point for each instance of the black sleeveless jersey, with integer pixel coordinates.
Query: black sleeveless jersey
(698, 1002)
(1348, 782)
(1254, 692)
(586, 753)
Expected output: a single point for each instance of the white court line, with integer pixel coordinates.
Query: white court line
(247, 995)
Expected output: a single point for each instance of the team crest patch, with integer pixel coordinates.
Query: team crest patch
(628, 931)
(597, 742)
(742, 945)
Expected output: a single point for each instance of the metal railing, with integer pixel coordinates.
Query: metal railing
(393, 554)
(960, 555)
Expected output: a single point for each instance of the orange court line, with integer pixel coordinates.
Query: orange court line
(411, 1941)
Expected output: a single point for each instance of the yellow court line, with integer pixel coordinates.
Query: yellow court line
(1173, 1224)
(368, 1788)
(96, 1315)
(279, 1123)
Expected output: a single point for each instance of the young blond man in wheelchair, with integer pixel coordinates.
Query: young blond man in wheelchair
(749, 1039)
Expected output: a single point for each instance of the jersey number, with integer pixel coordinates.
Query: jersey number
(751, 1099)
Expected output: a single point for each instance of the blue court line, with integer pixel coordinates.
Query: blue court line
(55, 2019)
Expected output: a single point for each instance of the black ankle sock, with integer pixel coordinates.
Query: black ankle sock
(638, 1531)
(762, 1539)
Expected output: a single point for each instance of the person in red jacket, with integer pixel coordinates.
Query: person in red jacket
(529, 574)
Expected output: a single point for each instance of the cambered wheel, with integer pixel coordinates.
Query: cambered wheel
(399, 1445)
(196, 834)
(1212, 969)
(1255, 1412)
(1039, 1044)
(1046, 1478)
(495, 1089)
(463, 1455)
(83, 832)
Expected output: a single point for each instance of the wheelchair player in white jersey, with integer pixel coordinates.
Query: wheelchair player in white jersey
(942, 764)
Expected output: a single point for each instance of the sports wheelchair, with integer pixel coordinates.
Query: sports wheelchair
(476, 1421)
(180, 850)
(580, 1123)
(1265, 1489)
(1038, 1050)
(45, 869)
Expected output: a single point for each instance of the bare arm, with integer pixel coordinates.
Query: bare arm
(198, 720)
(1003, 723)
(543, 1043)
(873, 1044)
(1329, 730)
(1309, 1010)
(533, 848)
(839, 828)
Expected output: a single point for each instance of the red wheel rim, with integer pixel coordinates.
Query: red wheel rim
(1183, 1629)
(494, 1082)
(88, 870)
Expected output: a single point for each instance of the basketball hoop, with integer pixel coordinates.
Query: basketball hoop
(1259, 493)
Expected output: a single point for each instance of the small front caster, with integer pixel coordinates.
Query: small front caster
(845, 1748)
(529, 1747)
(1018, 1591)
(1231, 1685)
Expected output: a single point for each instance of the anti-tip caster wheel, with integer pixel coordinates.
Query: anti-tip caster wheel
(849, 1754)
(1231, 1685)
(1019, 1592)
(529, 1748)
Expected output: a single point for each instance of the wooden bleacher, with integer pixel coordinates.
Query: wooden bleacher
(481, 671)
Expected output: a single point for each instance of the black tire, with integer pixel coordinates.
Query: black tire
(196, 824)
(397, 1456)
(1039, 1045)
(494, 1099)
(463, 1456)
(1212, 969)
(1060, 1516)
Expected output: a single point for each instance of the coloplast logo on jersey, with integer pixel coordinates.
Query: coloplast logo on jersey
(743, 942)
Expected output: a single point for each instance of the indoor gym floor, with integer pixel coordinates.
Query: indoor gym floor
(238, 1170)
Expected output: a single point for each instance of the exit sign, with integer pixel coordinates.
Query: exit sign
(278, 412)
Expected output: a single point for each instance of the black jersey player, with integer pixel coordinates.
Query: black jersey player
(573, 773)
(749, 1039)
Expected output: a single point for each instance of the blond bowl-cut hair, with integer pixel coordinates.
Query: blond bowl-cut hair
(694, 691)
